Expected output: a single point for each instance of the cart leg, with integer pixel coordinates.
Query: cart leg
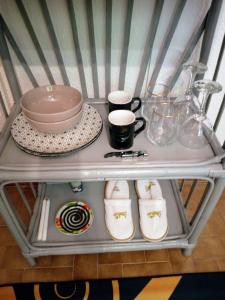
(15, 227)
(30, 260)
(214, 198)
(187, 251)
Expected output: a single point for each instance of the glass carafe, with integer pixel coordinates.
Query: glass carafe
(162, 126)
(153, 97)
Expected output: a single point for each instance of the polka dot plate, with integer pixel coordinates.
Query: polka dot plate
(74, 218)
(41, 144)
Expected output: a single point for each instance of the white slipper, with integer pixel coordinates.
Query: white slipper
(148, 189)
(118, 215)
(152, 210)
(117, 189)
(153, 219)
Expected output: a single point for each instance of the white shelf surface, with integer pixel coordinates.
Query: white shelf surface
(93, 194)
(92, 157)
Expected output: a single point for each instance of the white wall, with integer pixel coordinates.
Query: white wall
(192, 16)
(193, 13)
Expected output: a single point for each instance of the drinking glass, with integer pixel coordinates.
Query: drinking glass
(192, 133)
(184, 102)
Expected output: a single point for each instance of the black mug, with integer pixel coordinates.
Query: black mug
(123, 100)
(122, 128)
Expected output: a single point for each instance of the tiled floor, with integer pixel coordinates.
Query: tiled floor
(209, 256)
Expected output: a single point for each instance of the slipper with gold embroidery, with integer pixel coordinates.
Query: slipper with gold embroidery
(148, 189)
(118, 214)
(152, 210)
(153, 219)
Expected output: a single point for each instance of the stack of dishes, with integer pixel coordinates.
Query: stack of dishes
(52, 109)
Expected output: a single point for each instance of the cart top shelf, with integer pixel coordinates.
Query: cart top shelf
(90, 163)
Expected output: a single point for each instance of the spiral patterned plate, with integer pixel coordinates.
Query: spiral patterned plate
(38, 143)
(74, 218)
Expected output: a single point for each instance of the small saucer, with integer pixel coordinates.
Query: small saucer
(74, 218)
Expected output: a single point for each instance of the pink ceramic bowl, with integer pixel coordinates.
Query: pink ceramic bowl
(52, 103)
(56, 127)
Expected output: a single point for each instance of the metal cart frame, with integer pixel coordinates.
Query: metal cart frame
(17, 167)
(30, 169)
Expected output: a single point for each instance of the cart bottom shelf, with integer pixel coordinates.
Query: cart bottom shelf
(97, 238)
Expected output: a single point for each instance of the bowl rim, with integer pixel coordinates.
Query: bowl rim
(56, 123)
(51, 114)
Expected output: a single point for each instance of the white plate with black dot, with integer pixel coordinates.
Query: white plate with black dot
(37, 143)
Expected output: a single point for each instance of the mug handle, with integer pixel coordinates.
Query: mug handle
(140, 119)
(139, 103)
